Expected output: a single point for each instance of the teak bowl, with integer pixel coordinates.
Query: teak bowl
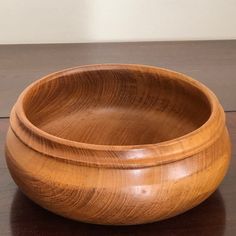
(117, 144)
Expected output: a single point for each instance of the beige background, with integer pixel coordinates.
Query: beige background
(66, 21)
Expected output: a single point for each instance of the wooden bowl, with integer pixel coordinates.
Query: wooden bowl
(117, 144)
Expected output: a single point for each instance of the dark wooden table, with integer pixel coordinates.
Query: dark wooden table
(19, 65)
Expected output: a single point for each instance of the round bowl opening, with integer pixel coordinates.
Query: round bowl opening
(116, 105)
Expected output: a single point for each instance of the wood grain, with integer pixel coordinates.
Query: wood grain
(117, 144)
(210, 62)
(215, 216)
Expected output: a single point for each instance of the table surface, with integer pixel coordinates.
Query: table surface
(213, 63)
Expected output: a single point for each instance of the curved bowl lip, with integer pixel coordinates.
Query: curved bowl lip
(212, 121)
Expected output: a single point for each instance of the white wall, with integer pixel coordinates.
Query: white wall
(53, 21)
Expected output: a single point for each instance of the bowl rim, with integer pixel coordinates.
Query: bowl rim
(191, 142)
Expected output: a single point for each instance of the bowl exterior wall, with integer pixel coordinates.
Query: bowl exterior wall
(114, 195)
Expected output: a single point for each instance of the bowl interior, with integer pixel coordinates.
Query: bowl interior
(117, 106)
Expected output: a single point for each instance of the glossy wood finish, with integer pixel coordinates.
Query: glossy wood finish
(154, 158)
(215, 216)
(210, 62)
